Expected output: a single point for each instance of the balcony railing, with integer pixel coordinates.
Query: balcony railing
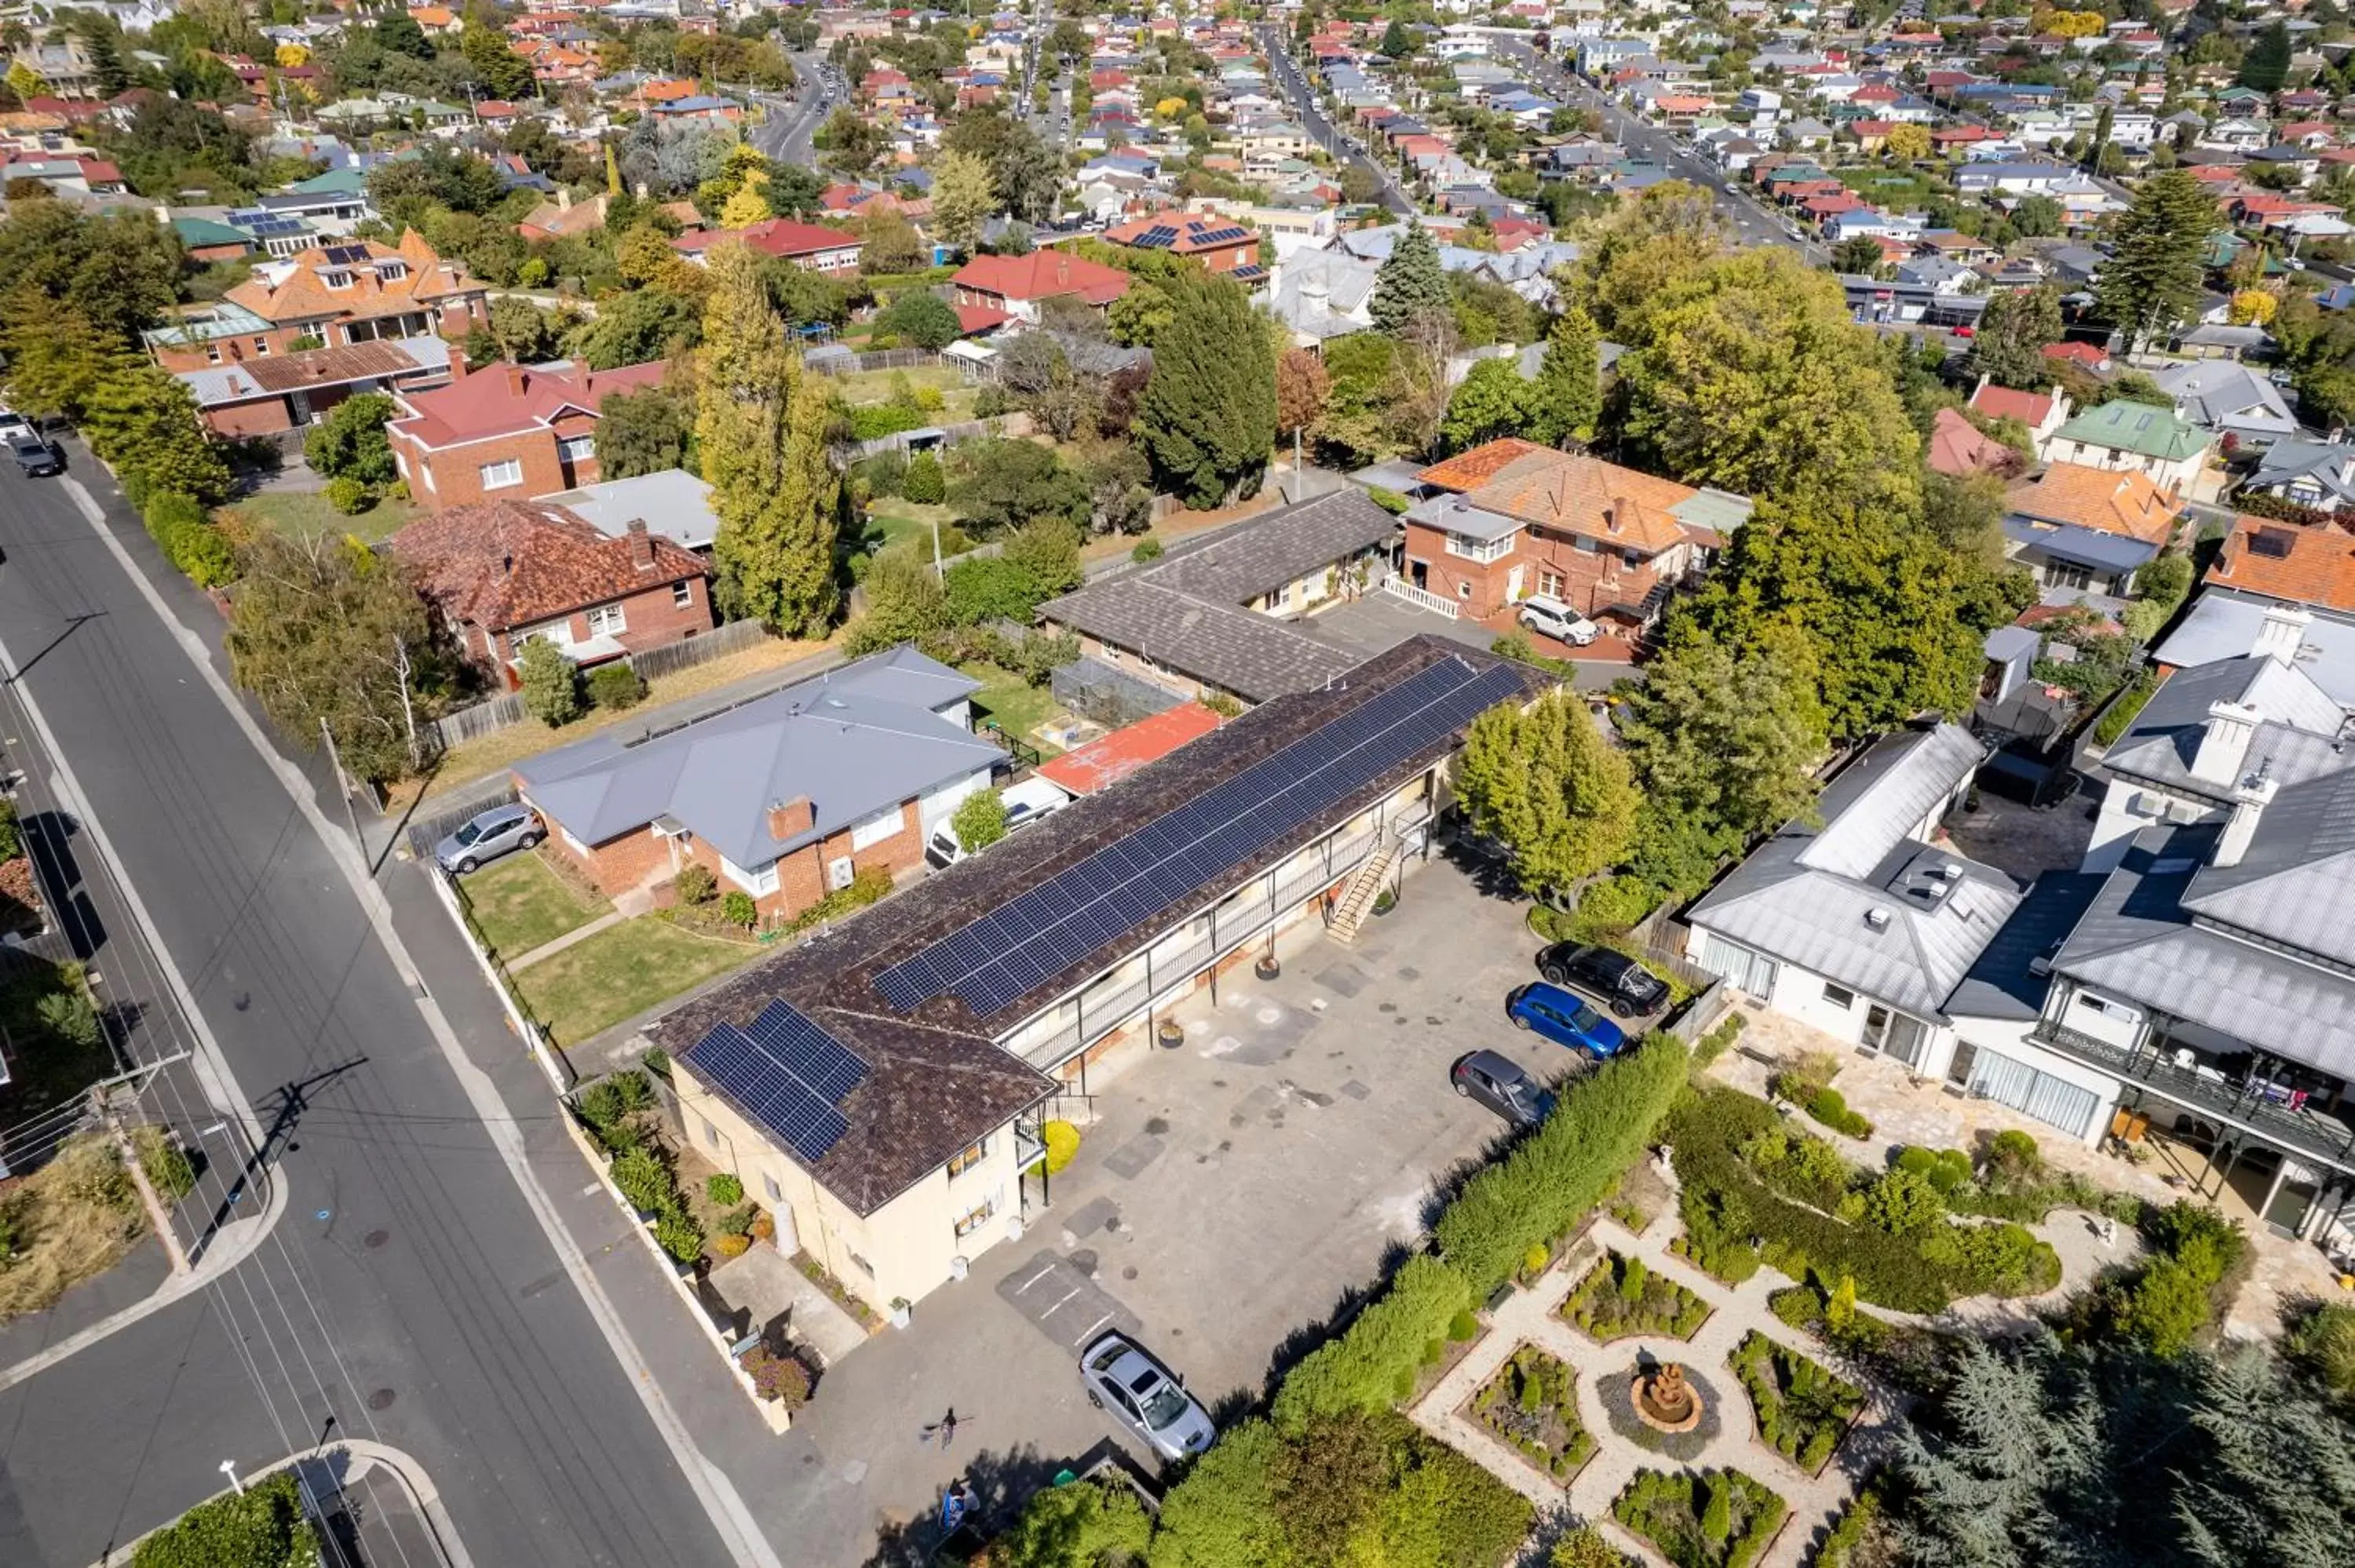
(2250, 1109)
(1231, 925)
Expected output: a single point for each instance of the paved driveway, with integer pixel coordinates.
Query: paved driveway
(1233, 1193)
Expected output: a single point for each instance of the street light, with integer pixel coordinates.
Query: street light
(228, 1469)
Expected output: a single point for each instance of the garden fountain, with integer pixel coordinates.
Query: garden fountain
(1664, 1400)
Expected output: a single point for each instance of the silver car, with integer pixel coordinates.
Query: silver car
(488, 836)
(1124, 1378)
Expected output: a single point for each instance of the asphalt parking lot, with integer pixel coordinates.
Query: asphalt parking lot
(1234, 1193)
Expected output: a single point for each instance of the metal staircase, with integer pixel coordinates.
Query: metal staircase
(1358, 898)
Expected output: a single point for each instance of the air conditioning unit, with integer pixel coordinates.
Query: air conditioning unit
(959, 1267)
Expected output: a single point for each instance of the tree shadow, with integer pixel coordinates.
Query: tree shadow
(1001, 1481)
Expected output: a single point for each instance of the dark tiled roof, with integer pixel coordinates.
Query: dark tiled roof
(1281, 547)
(901, 1128)
(502, 564)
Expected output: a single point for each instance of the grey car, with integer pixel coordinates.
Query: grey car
(1124, 1378)
(488, 836)
(1501, 1086)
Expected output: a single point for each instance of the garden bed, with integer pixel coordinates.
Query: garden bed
(1530, 1405)
(1803, 1410)
(1621, 1298)
(1615, 1390)
(1717, 1518)
(70, 1220)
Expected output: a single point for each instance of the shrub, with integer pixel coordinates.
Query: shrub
(1146, 549)
(724, 1189)
(1632, 1275)
(1225, 706)
(980, 820)
(262, 1524)
(1366, 1366)
(1903, 1201)
(1463, 1326)
(1390, 501)
(616, 685)
(1534, 1261)
(195, 548)
(695, 885)
(551, 683)
(738, 909)
(644, 1181)
(1717, 1518)
(1608, 908)
(350, 496)
(779, 1377)
(738, 1220)
(167, 1165)
(925, 484)
(2125, 708)
(1062, 1142)
(1600, 1127)
(2322, 1344)
(677, 1233)
(1830, 1106)
(2013, 1155)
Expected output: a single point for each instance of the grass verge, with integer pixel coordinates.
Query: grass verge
(72, 1220)
(620, 972)
(520, 904)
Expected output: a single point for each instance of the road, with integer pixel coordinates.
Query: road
(1754, 222)
(1321, 131)
(410, 1294)
(793, 122)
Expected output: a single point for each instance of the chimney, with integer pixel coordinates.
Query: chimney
(2224, 743)
(642, 546)
(2281, 633)
(789, 819)
(2249, 804)
(1611, 513)
(516, 379)
(457, 361)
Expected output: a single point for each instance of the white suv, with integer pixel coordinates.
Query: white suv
(1025, 803)
(1551, 618)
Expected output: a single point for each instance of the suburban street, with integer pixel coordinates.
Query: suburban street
(792, 123)
(1753, 221)
(1321, 130)
(409, 1295)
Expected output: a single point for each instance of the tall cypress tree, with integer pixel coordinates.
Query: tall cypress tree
(761, 427)
(2266, 65)
(1567, 399)
(2159, 259)
(1411, 286)
(1208, 417)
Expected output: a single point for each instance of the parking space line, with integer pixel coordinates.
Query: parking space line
(1092, 1329)
(1044, 1269)
(1060, 1302)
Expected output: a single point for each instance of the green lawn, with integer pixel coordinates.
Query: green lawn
(519, 904)
(620, 972)
(957, 394)
(912, 520)
(1018, 707)
(306, 515)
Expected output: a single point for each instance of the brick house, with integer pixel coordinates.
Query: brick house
(286, 392)
(784, 799)
(1020, 285)
(354, 290)
(1513, 518)
(505, 429)
(809, 245)
(503, 572)
(1219, 243)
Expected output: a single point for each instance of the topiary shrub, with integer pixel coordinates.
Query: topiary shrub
(1830, 1106)
(695, 885)
(616, 687)
(724, 1189)
(925, 484)
(1062, 1142)
(1463, 1326)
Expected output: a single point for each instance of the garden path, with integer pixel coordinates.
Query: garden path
(613, 917)
(1533, 1316)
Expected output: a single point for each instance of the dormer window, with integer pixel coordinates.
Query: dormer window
(337, 279)
(391, 271)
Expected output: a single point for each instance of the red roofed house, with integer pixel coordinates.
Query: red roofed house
(1219, 244)
(806, 245)
(503, 572)
(1957, 450)
(1110, 759)
(1020, 285)
(505, 429)
(2041, 412)
(350, 291)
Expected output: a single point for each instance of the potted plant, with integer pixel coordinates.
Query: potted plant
(902, 1311)
(1268, 967)
(1385, 901)
(1172, 1034)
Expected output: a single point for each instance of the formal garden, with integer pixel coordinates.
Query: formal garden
(1531, 1404)
(1620, 1299)
(1717, 1518)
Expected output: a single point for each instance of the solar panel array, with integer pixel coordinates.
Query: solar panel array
(346, 255)
(1218, 235)
(787, 1074)
(1178, 855)
(1160, 236)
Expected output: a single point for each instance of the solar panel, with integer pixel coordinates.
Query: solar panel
(808, 1052)
(786, 1073)
(1154, 239)
(1163, 864)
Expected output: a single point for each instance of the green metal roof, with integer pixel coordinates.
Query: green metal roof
(335, 182)
(194, 232)
(2143, 428)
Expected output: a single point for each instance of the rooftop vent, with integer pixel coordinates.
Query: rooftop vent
(1878, 918)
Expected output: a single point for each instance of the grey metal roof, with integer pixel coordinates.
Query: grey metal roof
(855, 742)
(2223, 624)
(2294, 742)
(1859, 902)
(2331, 464)
(2087, 546)
(1454, 514)
(2003, 982)
(673, 504)
(2294, 883)
(2218, 392)
(2137, 944)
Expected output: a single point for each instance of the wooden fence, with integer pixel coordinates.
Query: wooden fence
(1010, 427)
(505, 712)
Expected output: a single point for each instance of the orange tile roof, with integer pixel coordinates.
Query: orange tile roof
(498, 399)
(2109, 501)
(2310, 563)
(1567, 493)
(1957, 449)
(505, 564)
(301, 295)
(1112, 758)
(1042, 275)
(2009, 403)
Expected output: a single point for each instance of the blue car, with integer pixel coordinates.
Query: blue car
(1564, 1020)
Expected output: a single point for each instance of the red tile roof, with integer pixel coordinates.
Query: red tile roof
(2030, 408)
(776, 236)
(2305, 563)
(1114, 756)
(499, 399)
(501, 565)
(1042, 275)
(1958, 449)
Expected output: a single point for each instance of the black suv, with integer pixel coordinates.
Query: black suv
(1627, 987)
(36, 455)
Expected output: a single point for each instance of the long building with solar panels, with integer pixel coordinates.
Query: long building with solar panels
(880, 1087)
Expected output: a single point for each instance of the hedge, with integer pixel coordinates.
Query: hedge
(1372, 1364)
(194, 547)
(1563, 1168)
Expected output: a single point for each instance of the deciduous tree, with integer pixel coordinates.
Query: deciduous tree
(2013, 334)
(350, 442)
(921, 318)
(1547, 784)
(1632, 255)
(761, 427)
(1302, 384)
(1208, 417)
(143, 420)
(645, 431)
(1492, 400)
(965, 197)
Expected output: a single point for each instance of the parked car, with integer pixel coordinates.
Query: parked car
(1026, 803)
(1502, 1086)
(1124, 1378)
(12, 424)
(1565, 1019)
(500, 831)
(37, 456)
(1627, 987)
(1549, 616)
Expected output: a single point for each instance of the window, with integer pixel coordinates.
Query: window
(1839, 996)
(876, 828)
(212, 354)
(769, 1185)
(974, 1220)
(607, 620)
(1473, 549)
(577, 448)
(262, 348)
(500, 475)
(1550, 584)
(391, 271)
(682, 594)
(2068, 575)
(865, 1267)
(968, 1159)
(337, 279)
